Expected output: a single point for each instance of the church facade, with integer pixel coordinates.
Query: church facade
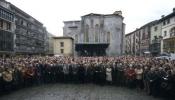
(97, 34)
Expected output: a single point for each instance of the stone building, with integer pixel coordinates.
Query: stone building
(156, 37)
(20, 33)
(168, 33)
(6, 28)
(49, 44)
(130, 45)
(63, 46)
(29, 33)
(145, 38)
(138, 41)
(72, 29)
(97, 34)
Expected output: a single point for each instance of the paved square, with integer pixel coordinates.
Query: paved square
(77, 92)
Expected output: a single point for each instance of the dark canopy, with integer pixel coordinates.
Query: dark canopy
(91, 49)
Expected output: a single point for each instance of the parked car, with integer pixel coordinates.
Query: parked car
(166, 56)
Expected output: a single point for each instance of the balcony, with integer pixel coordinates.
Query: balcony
(6, 14)
(172, 34)
(156, 41)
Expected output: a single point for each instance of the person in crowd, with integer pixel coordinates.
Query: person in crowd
(109, 74)
(139, 77)
(66, 72)
(130, 75)
(7, 76)
(1, 79)
(155, 76)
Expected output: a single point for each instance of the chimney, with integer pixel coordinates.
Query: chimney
(173, 9)
(118, 13)
(162, 16)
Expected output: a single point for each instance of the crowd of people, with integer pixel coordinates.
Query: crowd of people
(154, 76)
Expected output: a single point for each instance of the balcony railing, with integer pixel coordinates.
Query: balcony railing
(172, 34)
(8, 15)
(156, 41)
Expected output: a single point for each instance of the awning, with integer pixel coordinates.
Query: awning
(147, 52)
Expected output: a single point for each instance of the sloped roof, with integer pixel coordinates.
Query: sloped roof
(168, 16)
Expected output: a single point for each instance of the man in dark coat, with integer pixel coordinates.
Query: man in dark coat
(120, 74)
(74, 73)
(152, 81)
(81, 73)
(66, 72)
(53, 73)
(1, 81)
(99, 74)
(17, 79)
(39, 73)
(60, 75)
(90, 73)
(70, 73)
(46, 73)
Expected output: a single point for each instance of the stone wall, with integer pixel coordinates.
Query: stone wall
(99, 29)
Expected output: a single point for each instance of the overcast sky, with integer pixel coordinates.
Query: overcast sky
(52, 13)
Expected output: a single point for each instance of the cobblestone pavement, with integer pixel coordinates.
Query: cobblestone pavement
(77, 92)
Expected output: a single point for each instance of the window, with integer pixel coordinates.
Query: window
(76, 38)
(8, 26)
(165, 33)
(136, 40)
(108, 37)
(21, 22)
(24, 23)
(155, 28)
(1, 24)
(143, 35)
(172, 31)
(164, 23)
(168, 21)
(86, 34)
(28, 25)
(92, 23)
(62, 50)
(96, 32)
(61, 44)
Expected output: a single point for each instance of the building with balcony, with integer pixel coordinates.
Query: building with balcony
(168, 33)
(97, 34)
(7, 27)
(138, 42)
(156, 37)
(145, 38)
(132, 43)
(129, 43)
(29, 33)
